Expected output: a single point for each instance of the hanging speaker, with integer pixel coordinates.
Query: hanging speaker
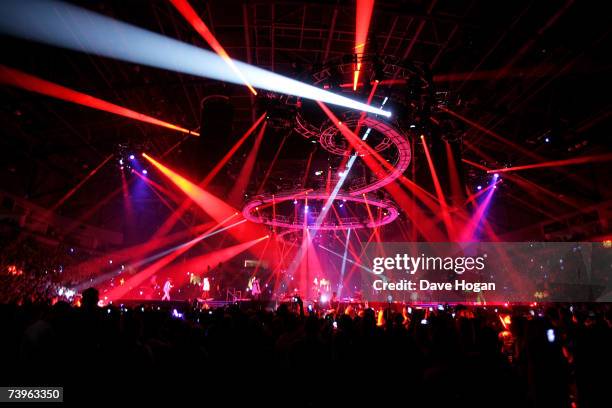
(216, 119)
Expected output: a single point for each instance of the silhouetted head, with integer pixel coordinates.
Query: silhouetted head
(91, 296)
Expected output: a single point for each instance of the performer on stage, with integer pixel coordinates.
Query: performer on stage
(167, 287)
(333, 302)
(255, 289)
(205, 287)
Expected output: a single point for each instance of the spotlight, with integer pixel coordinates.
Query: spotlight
(131, 157)
(412, 126)
(479, 188)
(318, 172)
(145, 171)
(341, 205)
(46, 21)
(496, 176)
(547, 140)
(295, 202)
(550, 335)
(121, 161)
(305, 208)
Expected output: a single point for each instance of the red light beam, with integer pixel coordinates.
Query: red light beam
(80, 184)
(272, 163)
(136, 280)
(211, 204)
(479, 193)
(196, 22)
(96, 265)
(473, 224)
(127, 202)
(159, 196)
(236, 195)
(453, 173)
(362, 26)
(212, 259)
(10, 76)
(172, 220)
(530, 187)
(557, 163)
(443, 206)
(216, 208)
(491, 133)
(158, 187)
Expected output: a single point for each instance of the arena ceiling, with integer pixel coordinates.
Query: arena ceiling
(535, 73)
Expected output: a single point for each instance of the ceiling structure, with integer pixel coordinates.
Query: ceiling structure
(532, 73)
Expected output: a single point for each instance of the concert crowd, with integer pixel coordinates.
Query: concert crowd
(505, 356)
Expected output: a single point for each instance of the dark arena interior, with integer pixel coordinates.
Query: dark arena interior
(306, 203)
